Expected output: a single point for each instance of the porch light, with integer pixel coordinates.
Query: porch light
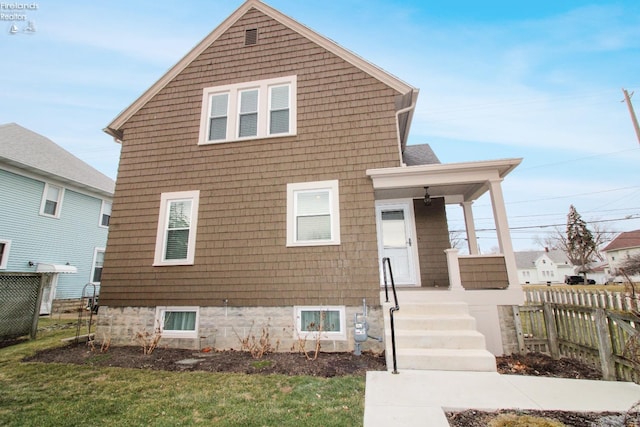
(427, 198)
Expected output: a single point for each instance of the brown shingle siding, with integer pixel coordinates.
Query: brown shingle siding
(346, 124)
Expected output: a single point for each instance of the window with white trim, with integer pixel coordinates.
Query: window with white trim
(178, 322)
(313, 213)
(259, 109)
(51, 200)
(5, 245)
(177, 225)
(105, 214)
(328, 321)
(98, 263)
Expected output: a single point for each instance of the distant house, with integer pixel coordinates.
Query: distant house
(624, 246)
(262, 182)
(542, 267)
(54, 215)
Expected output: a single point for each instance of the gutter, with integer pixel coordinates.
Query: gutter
(410, 109)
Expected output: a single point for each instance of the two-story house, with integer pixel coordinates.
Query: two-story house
(542, 267)
(626, 245)
(54, 216)
(262, 181)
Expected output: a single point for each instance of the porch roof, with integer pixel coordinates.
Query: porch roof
(456, 182)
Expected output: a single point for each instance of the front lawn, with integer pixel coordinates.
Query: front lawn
(39, 394)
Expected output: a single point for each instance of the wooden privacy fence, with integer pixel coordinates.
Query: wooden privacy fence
(602, 330)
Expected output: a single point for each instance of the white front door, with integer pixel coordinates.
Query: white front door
(396, 240)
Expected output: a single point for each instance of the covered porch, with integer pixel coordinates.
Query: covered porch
(413, 232)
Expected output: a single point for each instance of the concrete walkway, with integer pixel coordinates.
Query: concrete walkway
(419, 398)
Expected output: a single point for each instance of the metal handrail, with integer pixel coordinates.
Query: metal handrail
(386, 261)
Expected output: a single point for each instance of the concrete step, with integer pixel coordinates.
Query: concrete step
(445, 360)
(448, 308)
(443, 339)
(433, 322)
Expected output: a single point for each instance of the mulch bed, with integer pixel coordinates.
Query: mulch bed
(168, 359)
(338, 364)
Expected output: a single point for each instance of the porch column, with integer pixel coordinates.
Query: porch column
(455, 281)
(472, 239)
(502, 228)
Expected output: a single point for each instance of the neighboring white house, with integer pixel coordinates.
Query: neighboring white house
(541, 267)
(624, 246)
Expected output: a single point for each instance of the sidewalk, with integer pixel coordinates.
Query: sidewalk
(419, 398)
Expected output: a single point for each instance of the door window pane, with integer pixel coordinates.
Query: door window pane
(393, 229)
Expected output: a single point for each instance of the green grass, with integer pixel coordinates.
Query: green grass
(48, 394)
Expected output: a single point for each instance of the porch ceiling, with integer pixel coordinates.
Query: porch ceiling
(456, 182)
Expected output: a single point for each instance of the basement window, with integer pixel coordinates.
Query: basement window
(178, 322)
(328, 321)
(251, 37)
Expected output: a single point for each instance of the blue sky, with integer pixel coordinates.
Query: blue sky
(537, 80)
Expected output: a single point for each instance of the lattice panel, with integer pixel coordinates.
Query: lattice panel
(18, 304)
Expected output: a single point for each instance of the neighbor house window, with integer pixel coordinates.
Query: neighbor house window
(5, 245)
(178, 322)
(260, 109)
(329, 322)
(51, 200)
(177, 225)
(105, 214)
(98, 263)
(313, 213)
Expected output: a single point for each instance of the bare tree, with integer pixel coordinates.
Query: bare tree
(582, 248)
(631, 265)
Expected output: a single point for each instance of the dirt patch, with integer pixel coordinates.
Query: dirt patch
(167, 359)
(541, 365)
(472, 418)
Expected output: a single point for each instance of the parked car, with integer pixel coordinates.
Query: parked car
(577, 280)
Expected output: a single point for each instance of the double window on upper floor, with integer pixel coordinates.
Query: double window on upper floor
(251, 110)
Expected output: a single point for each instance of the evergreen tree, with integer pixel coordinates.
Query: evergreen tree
(582, 249)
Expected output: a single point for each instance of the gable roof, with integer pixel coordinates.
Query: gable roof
(527, 259)
(420, 154)
(627, 239)
(27, 150)
(114, 128)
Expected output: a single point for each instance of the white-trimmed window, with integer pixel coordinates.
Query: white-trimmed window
(177, 225)
(51, 200)
(313, 213)
(105, 214)
(5, 245)
(328, 321)
(178, 322)
(98, 263)
(260, 109)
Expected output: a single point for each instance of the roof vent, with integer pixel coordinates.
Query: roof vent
(251, 36)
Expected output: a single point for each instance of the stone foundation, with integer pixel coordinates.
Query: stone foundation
(223, 328)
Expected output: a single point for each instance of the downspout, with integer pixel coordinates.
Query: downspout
(411, 107)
